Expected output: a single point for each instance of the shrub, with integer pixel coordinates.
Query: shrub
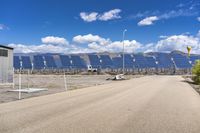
(196, 72)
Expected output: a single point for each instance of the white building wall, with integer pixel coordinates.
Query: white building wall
(6, 67)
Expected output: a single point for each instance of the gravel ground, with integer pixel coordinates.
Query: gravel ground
(189, 80)
(150, 104)
(54, 84)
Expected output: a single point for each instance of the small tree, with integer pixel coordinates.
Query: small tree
(196, 72)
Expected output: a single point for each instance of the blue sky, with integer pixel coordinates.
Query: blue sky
(97, 25)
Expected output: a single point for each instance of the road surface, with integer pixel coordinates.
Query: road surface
(151, 104)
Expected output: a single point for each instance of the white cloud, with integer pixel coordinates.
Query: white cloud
(178, 42)
(3, 27)
(48, 48)
(130, 46)
(83, 39)
(180, 5)
(112, 14)
(162, 36)
(50, 44)
(43, 48)
(177, 13)
(54, 40)
(198, 18)
(93, 16)
(89, 17)
(95, 43)
(148, 21)
(100, 44)
(166, 44)
(166, 15)
(148, 48)
(96, 47)
(116, 46)
(174, 42)
(188, 10)
(198, 34)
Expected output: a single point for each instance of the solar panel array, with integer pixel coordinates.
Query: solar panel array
(131, 61)
(26, 62)
(50, 62)
(16, 62)
(65, 61)
(106, 61)
(78, 62)
(38, 62)
(151, 62)
(192, 59)
(117, 62)
(164, 60)
(140, 61)
(94, 60)
(181, 61)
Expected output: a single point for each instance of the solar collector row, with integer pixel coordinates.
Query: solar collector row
(158, 60)
(48, 62)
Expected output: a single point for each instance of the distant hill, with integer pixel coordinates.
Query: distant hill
(101, 53)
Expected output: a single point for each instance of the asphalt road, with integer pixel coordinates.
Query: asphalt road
(152, 104)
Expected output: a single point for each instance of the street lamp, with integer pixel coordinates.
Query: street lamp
(123, 48)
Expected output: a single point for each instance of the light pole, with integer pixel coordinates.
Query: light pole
(123, 48)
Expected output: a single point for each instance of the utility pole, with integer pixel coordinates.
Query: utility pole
(123, 49)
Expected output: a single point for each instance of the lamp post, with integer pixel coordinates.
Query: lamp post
(123, 48)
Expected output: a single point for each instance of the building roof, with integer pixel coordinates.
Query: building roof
(3, 46)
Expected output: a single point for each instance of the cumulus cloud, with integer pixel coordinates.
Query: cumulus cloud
(174, 42)
(166, 44)
(183, 10)
(198, 34)
(178, 13)
(130, 46)
(166, 15)
(198, 18)
(50, 44)
(89, 38)
(43, 48)
(112, 14)
(100, 44)
(93, 16)
(148, 21)
(48, 48)
(179, 42)
(94, 43)
(54, 40)
(89, 17)
(162, 36)
(116, 46)
(3, 27)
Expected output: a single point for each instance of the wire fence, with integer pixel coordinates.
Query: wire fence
(53, 84)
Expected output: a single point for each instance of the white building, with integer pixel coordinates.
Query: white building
(6, 64)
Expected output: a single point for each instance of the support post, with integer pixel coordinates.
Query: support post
(28, 79)
(13, 78)
(65, 82)
(20, 82)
